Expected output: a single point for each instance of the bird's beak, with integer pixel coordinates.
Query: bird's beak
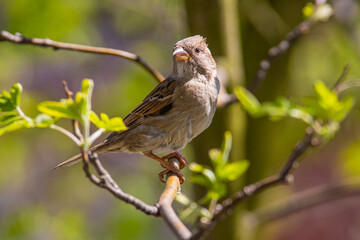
(180, 54)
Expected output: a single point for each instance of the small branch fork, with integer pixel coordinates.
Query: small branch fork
(162, 209)
(274, 52)
(20, 39)
(284, 177)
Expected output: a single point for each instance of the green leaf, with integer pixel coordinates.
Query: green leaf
(215, 156)
(95, 120)
(66, 108)
(196, 168)
(15, 125)
(234, 170)
(278, 109)
(249, 101)
(327, 99)
(86, 90)
(6, 103)
(201, 180)
(15, 93)
(8, 117)
(218, 191)
(9, 101)
(346, 104)
(113, 124)
(226, 147)
(43, 120)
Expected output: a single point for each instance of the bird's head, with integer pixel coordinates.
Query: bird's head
(192, 56)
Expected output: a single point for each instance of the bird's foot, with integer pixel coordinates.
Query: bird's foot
(170, 167)
(183, 162)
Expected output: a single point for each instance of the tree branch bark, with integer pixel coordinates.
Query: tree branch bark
(20, 39)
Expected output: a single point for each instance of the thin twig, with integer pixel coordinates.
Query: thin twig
(308, 199)
(20, 39)
(67, 133)
(225, 207)
(265, 64)
(107, 182)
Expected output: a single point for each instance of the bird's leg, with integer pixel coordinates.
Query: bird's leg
(169, 167)
(179, 157)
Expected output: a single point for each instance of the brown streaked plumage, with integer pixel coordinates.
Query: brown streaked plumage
(175, 112)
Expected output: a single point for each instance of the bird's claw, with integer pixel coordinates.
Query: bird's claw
(171, 168)
(183, 162)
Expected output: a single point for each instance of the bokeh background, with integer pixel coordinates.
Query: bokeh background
(37, 203)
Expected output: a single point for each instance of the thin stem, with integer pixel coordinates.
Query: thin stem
(22, 114)
(95, 135)
(67, 133)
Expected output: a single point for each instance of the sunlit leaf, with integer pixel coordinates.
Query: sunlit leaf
(64, 109)
(215, 156)
(234, 170)
(15, 93)
(201, 180)
(346, 104)
(15, 125)
(6, 103)
(197, 168)
(8, 117)
(226, 146)
(248, 101)
(109, 124)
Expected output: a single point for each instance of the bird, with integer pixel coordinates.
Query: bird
(176, 111)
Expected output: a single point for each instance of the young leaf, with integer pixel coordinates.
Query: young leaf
(215, 156)
(15, 125)
(233, 170)
(15, 93)
(63, 109)
(249, 101)
(8, 118)
(201, 180)
(95, 120)
(114, 124)
(196, 168)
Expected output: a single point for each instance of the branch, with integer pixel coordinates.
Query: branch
(284, 177)
(273, 53)
(163, 208)
(165, 201)
(309, 199)
(107, 182)
(278, 50)
(20, 39)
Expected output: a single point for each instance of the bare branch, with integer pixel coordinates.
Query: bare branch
(20, 39)
(107, 182)
(226, 207)
(308, 199)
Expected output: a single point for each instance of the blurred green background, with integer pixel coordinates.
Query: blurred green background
(37, 203)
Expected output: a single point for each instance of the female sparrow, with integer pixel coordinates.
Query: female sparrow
(175, 112)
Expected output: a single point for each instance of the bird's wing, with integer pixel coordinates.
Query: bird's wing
(158, 102)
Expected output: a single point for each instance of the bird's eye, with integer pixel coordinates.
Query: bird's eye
(197, 50)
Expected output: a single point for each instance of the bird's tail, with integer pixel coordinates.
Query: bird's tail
(77, 158)
(69, 162)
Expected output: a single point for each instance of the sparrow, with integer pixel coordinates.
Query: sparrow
(176, 111)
